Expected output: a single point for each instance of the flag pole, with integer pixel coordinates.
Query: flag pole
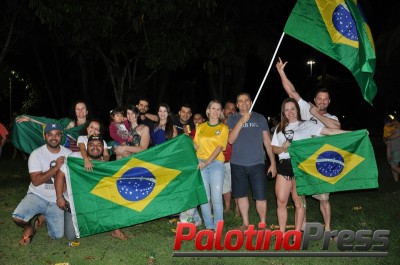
(269, 68)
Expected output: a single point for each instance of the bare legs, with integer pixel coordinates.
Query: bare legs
(283, 188)
(261, 207)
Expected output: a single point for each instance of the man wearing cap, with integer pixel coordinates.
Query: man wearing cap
(95, 148)
(44, 163)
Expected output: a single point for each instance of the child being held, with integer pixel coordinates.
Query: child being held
(119, 128)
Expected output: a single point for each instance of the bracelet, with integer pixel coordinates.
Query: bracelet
(61, 197)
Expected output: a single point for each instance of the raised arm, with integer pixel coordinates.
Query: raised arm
(24, 118)
(287, 85)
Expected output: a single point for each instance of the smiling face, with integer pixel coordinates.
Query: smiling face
(95, 149)
(322, 101)
(290, 112)
(132, 118)
(93, 128)
(162, 113)
(243, 103)
(184, 114)
(53, 138)
(81, 111)
(214, 111)
(143, 106)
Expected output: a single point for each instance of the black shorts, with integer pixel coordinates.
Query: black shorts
(285, 169)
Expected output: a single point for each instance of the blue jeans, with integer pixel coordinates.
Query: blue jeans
(213, 178)
(32, 205)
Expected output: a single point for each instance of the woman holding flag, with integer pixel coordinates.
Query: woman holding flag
(29, 136)
(292, 128)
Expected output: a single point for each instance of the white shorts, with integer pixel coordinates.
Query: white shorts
(227, 187)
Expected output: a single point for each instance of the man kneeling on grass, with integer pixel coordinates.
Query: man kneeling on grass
(95, 150)
(43, 164)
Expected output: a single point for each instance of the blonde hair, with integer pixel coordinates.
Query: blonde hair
(221, 117)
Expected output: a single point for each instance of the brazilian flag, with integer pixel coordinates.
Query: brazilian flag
(334, 163)
(27, 136)
(155, 183)
(338, 29)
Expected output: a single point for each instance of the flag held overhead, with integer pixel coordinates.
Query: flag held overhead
(338, 29)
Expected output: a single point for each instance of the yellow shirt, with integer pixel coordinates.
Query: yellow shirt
(208, 138)
(387, 130)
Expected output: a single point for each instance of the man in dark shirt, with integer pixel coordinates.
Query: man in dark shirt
(184, 118)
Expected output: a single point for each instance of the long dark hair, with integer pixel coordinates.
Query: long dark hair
(284, 120)
(169, 126)
(136, 111)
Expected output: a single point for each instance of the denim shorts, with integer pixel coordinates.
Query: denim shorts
(32, 205)
(243, 175)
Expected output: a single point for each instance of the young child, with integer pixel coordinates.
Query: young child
(93, 127)
(119, 128)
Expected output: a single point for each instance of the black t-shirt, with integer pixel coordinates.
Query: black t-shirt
(179, 126)
(146, 121)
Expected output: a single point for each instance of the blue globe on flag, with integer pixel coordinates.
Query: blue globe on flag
(330, 163)
(136, 184)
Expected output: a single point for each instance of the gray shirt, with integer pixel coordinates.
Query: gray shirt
(248, 149)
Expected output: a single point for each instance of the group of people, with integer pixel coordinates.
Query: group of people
(232, 145)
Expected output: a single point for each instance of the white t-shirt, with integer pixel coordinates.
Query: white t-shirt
(306, 114)
(295, 131)
(64, 168)
(84, 139)
(41, 160)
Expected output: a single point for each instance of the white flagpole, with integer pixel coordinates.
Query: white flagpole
(269, 68)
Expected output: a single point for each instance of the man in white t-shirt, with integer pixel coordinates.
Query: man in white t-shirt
(44, 163)
(317, 113)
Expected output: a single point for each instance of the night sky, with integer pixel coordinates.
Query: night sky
(347, 102)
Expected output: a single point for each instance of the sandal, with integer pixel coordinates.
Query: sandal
(39, 222)
(26, 240)
(119, 235)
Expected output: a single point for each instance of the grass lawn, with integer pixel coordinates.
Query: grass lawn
(379, 209)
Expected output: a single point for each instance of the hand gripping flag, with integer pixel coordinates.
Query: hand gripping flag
(334, 163)
(158, 182)
(27, 136)
(339, 29)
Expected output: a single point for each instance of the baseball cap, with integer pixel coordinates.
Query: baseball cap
(95, 138)
(52, 126)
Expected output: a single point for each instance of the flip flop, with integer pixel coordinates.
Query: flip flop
(26, 240)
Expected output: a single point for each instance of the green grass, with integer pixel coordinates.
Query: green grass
(379, 210)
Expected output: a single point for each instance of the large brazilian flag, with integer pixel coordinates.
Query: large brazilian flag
(334, 163)
(27, 136)
(158, 182)
(339, 29)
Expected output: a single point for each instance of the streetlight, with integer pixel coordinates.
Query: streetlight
(311, 62)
